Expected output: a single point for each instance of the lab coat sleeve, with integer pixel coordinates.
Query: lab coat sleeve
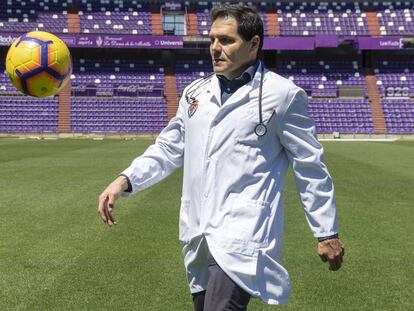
(161, 158)
(297, 134)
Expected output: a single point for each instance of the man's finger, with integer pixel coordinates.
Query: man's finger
(110, 220)
(334, 264)
(337, 260)
(111, 217)
(101, 209)
(111, 200)
(111, 205)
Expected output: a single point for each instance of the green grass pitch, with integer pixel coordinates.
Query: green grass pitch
(56, 253)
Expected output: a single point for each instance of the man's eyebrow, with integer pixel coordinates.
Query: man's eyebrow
(219, 36)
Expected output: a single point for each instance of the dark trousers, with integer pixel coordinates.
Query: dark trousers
(222, 293)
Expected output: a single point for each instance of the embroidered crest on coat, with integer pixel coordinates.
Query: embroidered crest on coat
(192, 108)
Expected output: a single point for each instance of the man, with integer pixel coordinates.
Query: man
(235, 133)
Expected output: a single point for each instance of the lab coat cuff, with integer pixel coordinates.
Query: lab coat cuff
(129, 176)
(129, 189)
(325, 234)
(329, 237)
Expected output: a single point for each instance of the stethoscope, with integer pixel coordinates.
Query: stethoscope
(260, 129)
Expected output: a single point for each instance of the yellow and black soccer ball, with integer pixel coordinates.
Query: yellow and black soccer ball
(39, 64)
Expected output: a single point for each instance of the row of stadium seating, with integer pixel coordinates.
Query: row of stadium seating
(18, 114)
(149, 115)
(118, 115)
(344, 116)
(134, 17)
(399, 115)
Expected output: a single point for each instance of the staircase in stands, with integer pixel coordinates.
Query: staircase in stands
(64, 124)
(375, 102)
(170, 92)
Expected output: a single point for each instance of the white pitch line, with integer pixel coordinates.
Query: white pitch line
(360, 139)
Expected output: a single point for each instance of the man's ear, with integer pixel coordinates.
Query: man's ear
(255, 42)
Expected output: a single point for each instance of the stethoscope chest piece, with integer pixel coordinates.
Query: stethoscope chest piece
(260, 129)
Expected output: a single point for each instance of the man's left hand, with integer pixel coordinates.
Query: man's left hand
(332, 250)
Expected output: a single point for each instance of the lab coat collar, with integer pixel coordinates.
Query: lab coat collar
(250, 90)
(214, 90)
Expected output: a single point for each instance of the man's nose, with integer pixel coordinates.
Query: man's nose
(215, 46)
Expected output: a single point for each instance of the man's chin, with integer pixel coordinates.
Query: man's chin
(219, 70)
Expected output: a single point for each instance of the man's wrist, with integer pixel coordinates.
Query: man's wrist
(128, 185)
(330, 237)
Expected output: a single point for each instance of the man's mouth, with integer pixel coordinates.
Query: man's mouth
(217, 61)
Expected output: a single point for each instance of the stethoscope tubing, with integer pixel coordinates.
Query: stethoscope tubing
(260, 129)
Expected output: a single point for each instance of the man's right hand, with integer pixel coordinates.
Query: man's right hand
(332, 251)
(108, 198)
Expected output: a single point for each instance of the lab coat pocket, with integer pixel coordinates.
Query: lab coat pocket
(249, 221)
(185, 231)
(246, 126)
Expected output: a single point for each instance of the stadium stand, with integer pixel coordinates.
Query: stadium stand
(116, 22)
(24, 114)
(295, 18)
(309, 19)
(188, 70)
(395, 18)
(28, 115)
(109, 77)
(343, 116)
(395, 81)
(118, 95)
(325, 79)
(399, 115)
(395, 77)
(24, 16)
(6, 87)
(351, 90)
(113, 115)
(320, 76)
(202, 9)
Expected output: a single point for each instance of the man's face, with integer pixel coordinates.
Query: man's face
(230, 53)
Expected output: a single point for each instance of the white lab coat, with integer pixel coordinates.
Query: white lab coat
(233, 180)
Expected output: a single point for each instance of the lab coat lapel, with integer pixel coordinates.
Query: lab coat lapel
(255, 84)
(213, 91)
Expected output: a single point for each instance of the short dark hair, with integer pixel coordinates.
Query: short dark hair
(248, 20)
